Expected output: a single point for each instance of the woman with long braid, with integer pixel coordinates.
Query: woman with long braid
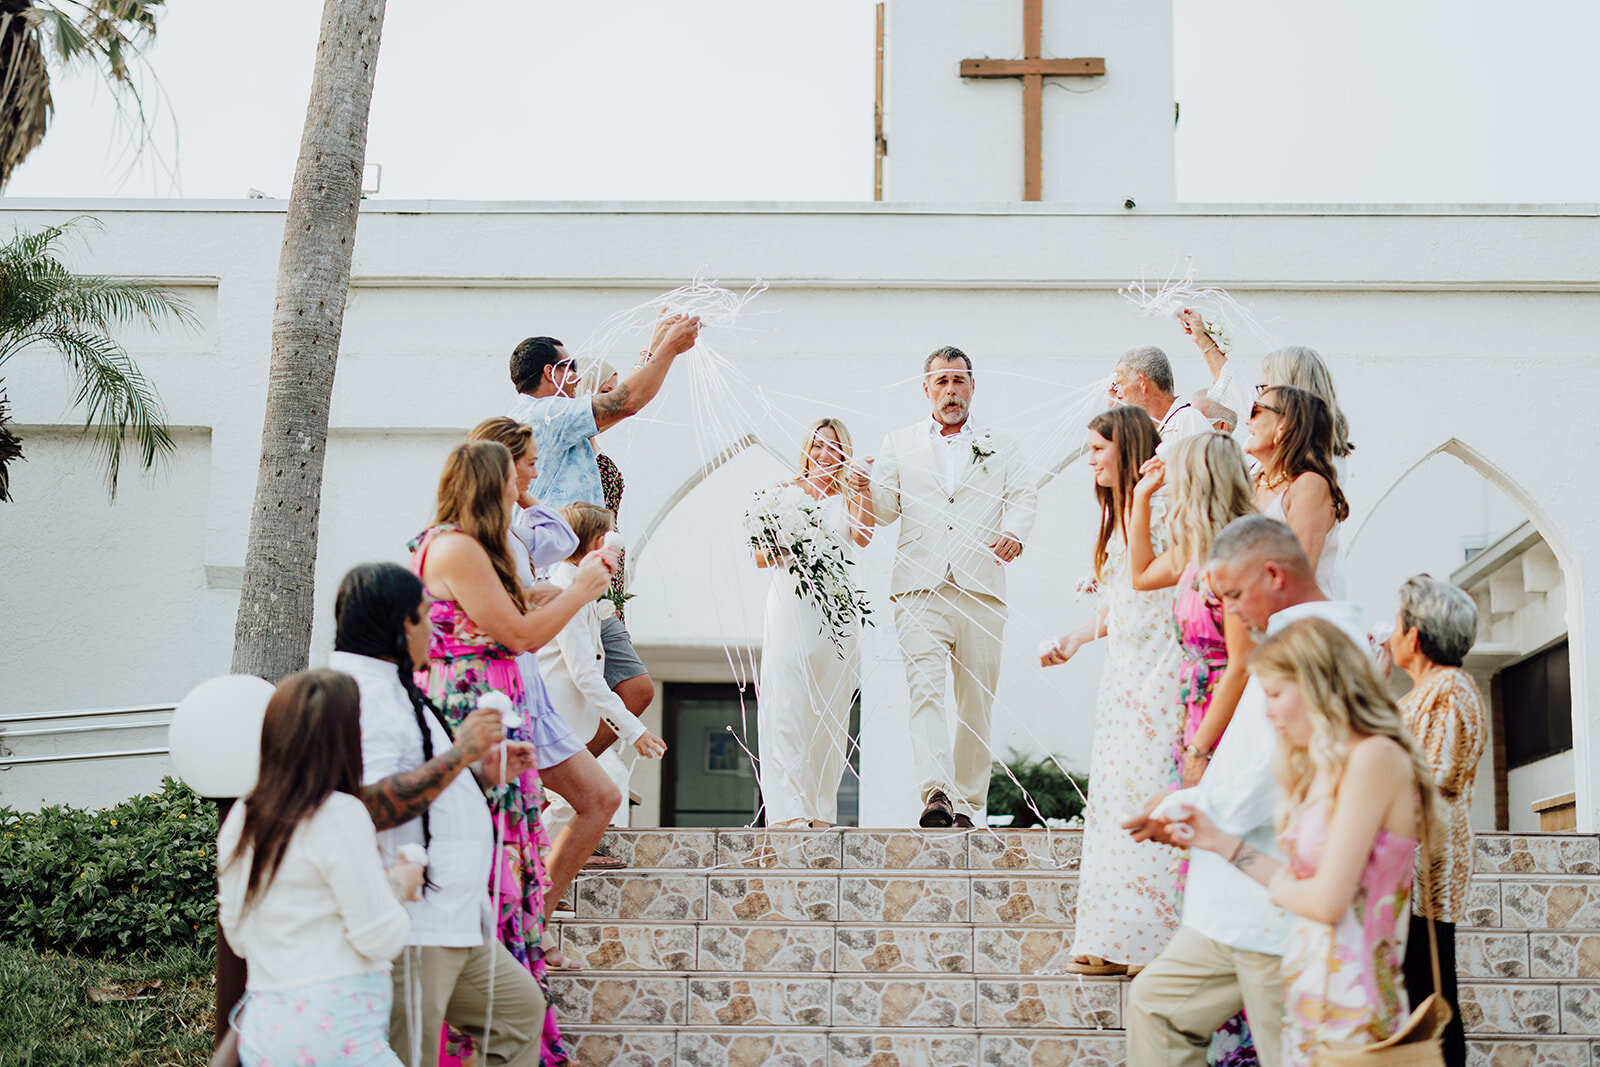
(416, 796)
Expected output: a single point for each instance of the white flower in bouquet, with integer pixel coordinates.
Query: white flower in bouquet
(1217, 327)
(785, 524)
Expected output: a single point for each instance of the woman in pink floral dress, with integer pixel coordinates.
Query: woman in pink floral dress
(1356, 790)
(480, 623)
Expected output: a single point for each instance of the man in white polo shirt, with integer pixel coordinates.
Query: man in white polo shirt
(1227, 954)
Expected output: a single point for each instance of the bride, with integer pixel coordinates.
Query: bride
(807, 682)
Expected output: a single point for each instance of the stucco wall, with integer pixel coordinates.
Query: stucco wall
(1442, 325)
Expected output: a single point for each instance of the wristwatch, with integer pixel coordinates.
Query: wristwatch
(1191, 750)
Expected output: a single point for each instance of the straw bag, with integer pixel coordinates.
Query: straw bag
(1417, 1043)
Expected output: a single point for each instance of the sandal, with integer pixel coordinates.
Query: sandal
(597, 862)
(1094, 965)
(555, 961)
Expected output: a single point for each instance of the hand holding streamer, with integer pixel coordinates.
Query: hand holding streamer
(501, 703)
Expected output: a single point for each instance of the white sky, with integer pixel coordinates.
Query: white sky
(1356, 101)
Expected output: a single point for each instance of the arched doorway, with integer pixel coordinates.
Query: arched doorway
(1456, 516)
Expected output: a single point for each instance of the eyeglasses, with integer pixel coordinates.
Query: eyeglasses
(1258, 407)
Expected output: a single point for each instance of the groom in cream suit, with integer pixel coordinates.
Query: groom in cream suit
(965, 506)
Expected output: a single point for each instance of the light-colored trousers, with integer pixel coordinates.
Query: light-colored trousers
(940, 630)
(1197, 984)
(453, 984)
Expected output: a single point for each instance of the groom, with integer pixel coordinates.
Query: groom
(966, 507)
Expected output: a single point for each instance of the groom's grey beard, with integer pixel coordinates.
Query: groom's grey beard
(942, 412)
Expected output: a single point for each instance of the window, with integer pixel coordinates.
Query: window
(1536, 702)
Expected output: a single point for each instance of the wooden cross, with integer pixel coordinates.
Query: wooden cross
(1033, 68)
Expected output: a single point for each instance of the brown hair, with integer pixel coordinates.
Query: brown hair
(1133, 435)
(310, 749)
(509, 432)
(1307, 443)
(472, 490)
(588, 521)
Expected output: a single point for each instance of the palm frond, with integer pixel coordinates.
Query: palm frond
(42, 302)
(10, 447)
(25, 103)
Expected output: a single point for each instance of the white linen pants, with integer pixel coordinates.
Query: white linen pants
(940, 630)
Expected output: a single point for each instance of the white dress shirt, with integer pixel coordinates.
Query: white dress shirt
(1182, 420)
(1241, 795)
(950, 450)
(328, 911)
(461, 835)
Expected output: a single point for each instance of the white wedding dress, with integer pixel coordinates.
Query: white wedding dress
(803, 696)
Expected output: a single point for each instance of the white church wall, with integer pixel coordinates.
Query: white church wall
(1105, 138)
(1549, 777)
(1438, 325)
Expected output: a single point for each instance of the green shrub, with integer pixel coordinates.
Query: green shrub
(1043, 785)
(134, 878)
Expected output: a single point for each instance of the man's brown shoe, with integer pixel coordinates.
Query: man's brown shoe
(961, 821)
(938, 814)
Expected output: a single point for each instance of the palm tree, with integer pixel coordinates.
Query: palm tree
(42, 302)
(109, 35)
(272, 635)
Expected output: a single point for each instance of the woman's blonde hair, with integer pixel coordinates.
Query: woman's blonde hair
(1303, 368)
(588, 521)
(1341, 691)
(844, 443)
(515, 435)
(596, 372)
(472, 495)
(1210, 488)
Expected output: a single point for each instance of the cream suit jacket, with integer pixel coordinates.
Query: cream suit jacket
(947, 534)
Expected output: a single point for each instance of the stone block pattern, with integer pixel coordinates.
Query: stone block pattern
(870, 948)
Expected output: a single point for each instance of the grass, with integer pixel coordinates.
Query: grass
(48, 1020)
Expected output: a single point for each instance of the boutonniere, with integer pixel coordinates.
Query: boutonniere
(979, 453)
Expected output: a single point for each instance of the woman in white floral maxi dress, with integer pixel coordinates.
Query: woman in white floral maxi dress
(1128, 893)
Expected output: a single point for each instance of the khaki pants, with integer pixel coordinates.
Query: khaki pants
(453, 984)
(940, 630)
(1196, 985)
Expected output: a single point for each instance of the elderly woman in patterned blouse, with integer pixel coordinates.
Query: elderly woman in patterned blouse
(1436, 627)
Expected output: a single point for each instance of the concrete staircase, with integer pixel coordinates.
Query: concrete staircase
(877, 948)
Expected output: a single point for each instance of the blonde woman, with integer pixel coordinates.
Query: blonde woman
(807, 684)
(1356, 793)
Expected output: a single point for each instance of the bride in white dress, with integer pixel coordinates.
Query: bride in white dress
(808, 683)
(1291, 437)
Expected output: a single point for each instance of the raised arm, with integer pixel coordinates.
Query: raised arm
(457, 568)
(674, 335)
(886, 486)
(858, 504)
(1224, 698)
(1148, 570)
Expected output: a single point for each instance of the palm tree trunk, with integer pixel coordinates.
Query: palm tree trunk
(272, 636)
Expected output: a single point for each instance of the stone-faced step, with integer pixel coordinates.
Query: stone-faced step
(1018, 897)
(1521, 1052)
(813, 948)
(846, 848)
(1530, 1007)
(1536, 854)
(751, 1046)
(653, 1000)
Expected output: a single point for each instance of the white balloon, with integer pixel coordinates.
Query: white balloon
(215, 735)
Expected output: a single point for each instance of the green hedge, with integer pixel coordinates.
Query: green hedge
(1043, 786)
(138, 877)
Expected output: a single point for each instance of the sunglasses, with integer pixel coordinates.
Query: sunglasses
(1258, 407)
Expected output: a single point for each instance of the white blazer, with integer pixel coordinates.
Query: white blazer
(573, 666)
(946, 535)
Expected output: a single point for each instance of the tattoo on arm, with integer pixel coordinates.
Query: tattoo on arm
(402, 797)
(612, 405)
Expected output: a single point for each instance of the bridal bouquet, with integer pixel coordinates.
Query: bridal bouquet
(786, 525)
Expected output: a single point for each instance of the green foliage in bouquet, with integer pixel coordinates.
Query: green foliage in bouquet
(133, 878)
(1053, 792)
